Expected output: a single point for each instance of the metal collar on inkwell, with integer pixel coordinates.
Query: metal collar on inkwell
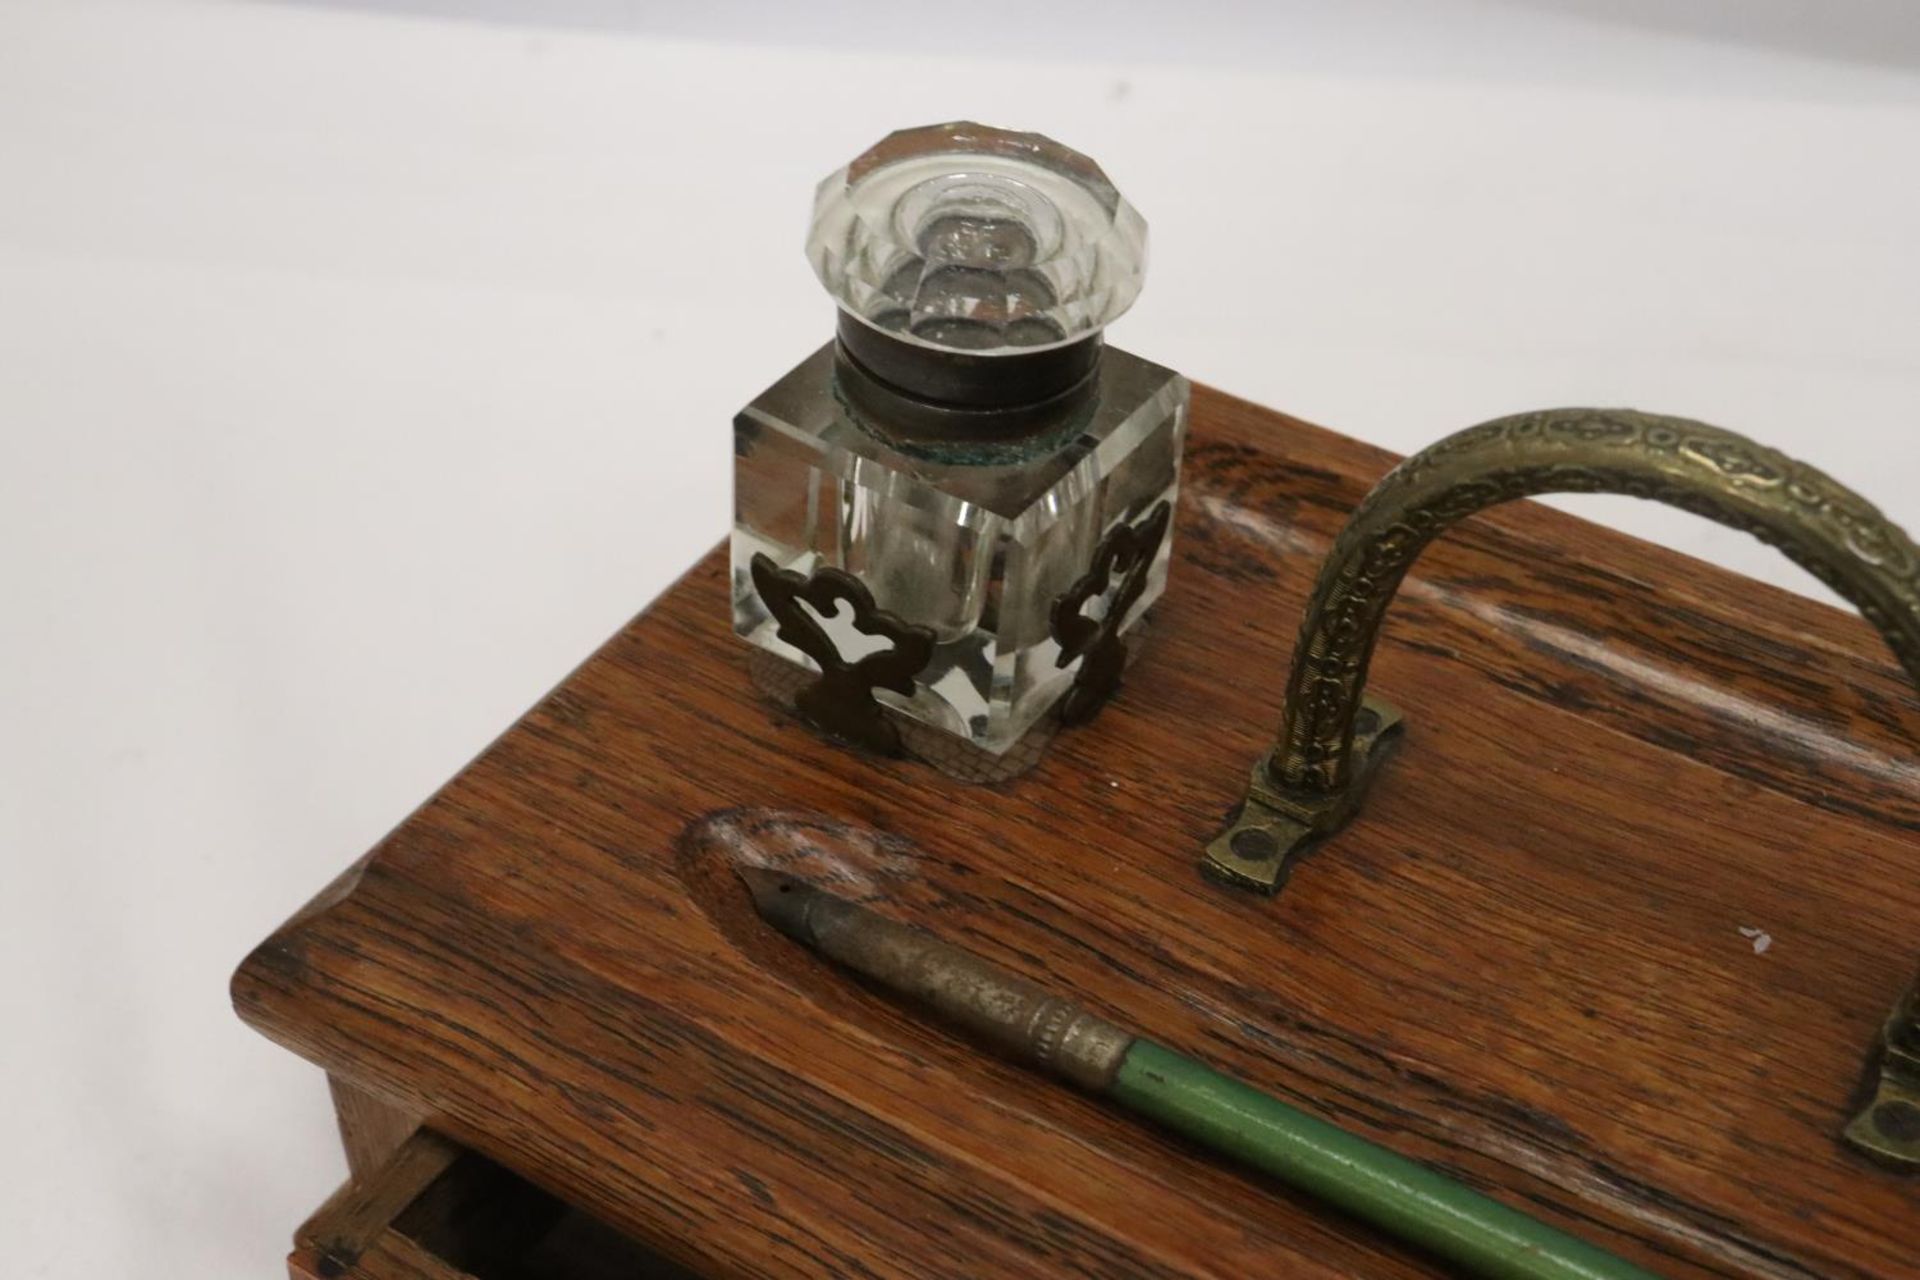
(922, 394)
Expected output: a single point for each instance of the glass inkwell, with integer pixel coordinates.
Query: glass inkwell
(951, 520)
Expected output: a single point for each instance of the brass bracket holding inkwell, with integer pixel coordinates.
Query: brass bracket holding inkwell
(1332, 733)
(841, 703)
(967, 459)
(1122, 565)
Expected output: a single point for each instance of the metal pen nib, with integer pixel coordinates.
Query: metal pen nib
(782, 901)
(1010, 1013)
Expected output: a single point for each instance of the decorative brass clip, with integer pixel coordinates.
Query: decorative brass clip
(1315, 776)
(840, 703)
(1128, 551)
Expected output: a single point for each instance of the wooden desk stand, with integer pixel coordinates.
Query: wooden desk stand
(1529, 962)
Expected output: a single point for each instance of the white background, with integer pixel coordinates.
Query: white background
(360, 370)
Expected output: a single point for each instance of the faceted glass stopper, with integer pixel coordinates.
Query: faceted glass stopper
(971, 238)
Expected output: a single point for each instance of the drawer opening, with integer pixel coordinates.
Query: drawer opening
(436, 1211)
(488, 1223)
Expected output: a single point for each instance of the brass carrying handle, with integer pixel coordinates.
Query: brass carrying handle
(1332, 734)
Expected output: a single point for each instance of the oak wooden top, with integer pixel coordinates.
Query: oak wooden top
(1523, 962)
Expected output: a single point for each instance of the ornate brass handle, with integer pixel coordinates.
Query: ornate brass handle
(1313, 779)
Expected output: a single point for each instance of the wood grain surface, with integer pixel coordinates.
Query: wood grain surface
(1523, 962)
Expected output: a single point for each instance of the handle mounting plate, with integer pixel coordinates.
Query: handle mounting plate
(1274, 825)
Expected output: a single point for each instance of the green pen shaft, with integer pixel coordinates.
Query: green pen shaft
(1400, 1196)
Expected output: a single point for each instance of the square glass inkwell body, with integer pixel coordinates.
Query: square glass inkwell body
(949, 519)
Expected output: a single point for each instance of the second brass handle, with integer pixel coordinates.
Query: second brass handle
(1313, 779)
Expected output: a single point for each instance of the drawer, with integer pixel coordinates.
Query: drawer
(436, 1211)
